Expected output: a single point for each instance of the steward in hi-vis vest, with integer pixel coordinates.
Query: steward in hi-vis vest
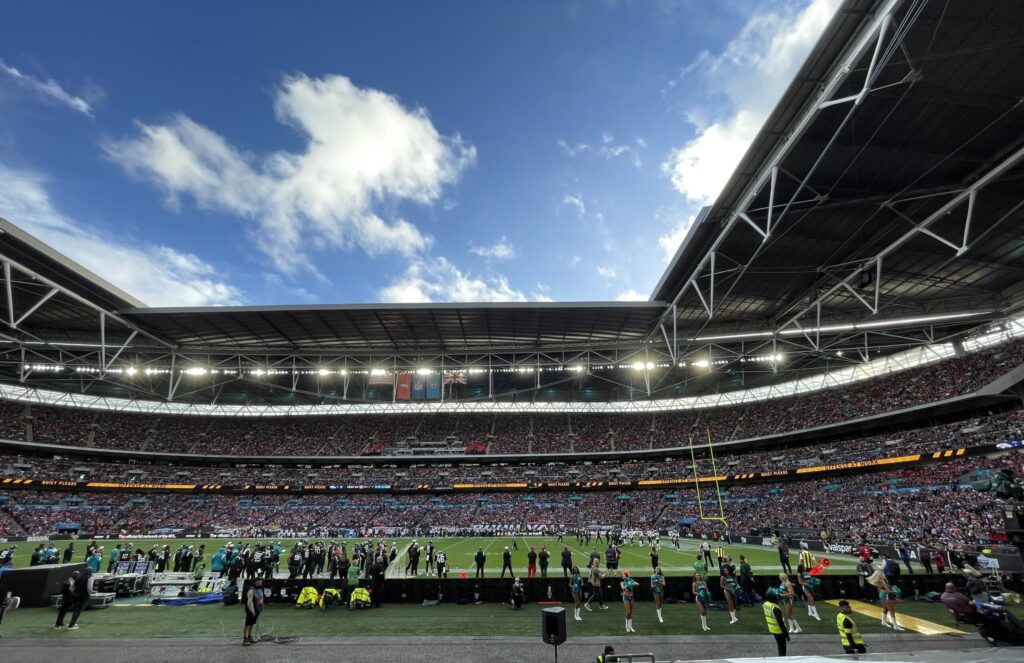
(776, 621)
(849, 636)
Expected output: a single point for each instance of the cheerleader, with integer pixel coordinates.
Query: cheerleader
(888, 596)
(576, 584)
(702, 595)
(807, 584)
(786, 596)
(627, 585)
(657, 591)
(730, 588)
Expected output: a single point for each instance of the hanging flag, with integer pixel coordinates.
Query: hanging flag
(403, 387)
(434, 385)
(454, 377)
(419, 387)
(380, 377)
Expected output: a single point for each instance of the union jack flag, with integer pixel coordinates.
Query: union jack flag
(454, 377)
(381, 377)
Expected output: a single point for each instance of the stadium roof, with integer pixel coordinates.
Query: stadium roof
(871, 139)
(431, 327)
(879, 207)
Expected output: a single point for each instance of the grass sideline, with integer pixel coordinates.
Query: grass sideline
(489, 619)
(460, 552)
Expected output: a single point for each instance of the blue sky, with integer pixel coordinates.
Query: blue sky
(257, 153)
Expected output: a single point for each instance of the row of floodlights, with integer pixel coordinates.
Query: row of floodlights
(260, 372)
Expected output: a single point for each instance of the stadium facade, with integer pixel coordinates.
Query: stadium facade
(872, 231)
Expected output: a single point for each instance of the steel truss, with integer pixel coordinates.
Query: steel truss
(712, 279)
(115, 352)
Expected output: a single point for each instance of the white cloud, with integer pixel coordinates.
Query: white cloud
(576, 203)
(606, 271)
(500, 250)
(158, 275)
(364, 151)
(670, 241)
(48, 89)
(575, 260)
(573, 150)
(608, 148)
(438, 280)
(631, 295)
(745, 82)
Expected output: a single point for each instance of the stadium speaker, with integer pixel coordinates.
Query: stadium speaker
(553, 625)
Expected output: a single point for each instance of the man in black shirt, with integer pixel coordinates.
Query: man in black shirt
(544, 557)
(321, 557)
(80, 597)
(506, 562)
(67, 589)
(428, 567)
(256, 563)
(294, 562)
(566, 561)
(377, 573)
(414, 555)
(480, 559)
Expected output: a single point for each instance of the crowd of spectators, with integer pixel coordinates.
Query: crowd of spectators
(931, 503)
(356, 435)
(967, 433)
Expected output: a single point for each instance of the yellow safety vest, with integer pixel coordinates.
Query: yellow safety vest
(850, 637)
(769, 616)
(807, 559)
(719, 553)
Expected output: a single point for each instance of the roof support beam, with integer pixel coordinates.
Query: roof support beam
(35, 307)
(988, 177)
(867, 37)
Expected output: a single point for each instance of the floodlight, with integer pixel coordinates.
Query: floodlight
(323, 371)
(130, 370)
(423, 371)
(702, 363)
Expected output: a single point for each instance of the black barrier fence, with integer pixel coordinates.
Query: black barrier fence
(556, 589)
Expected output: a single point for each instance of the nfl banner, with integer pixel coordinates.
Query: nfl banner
(403, 387)
(434, 386)
(419, 387)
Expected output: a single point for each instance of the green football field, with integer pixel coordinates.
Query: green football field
(137, 618)
(461, 550)
(636, 558)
